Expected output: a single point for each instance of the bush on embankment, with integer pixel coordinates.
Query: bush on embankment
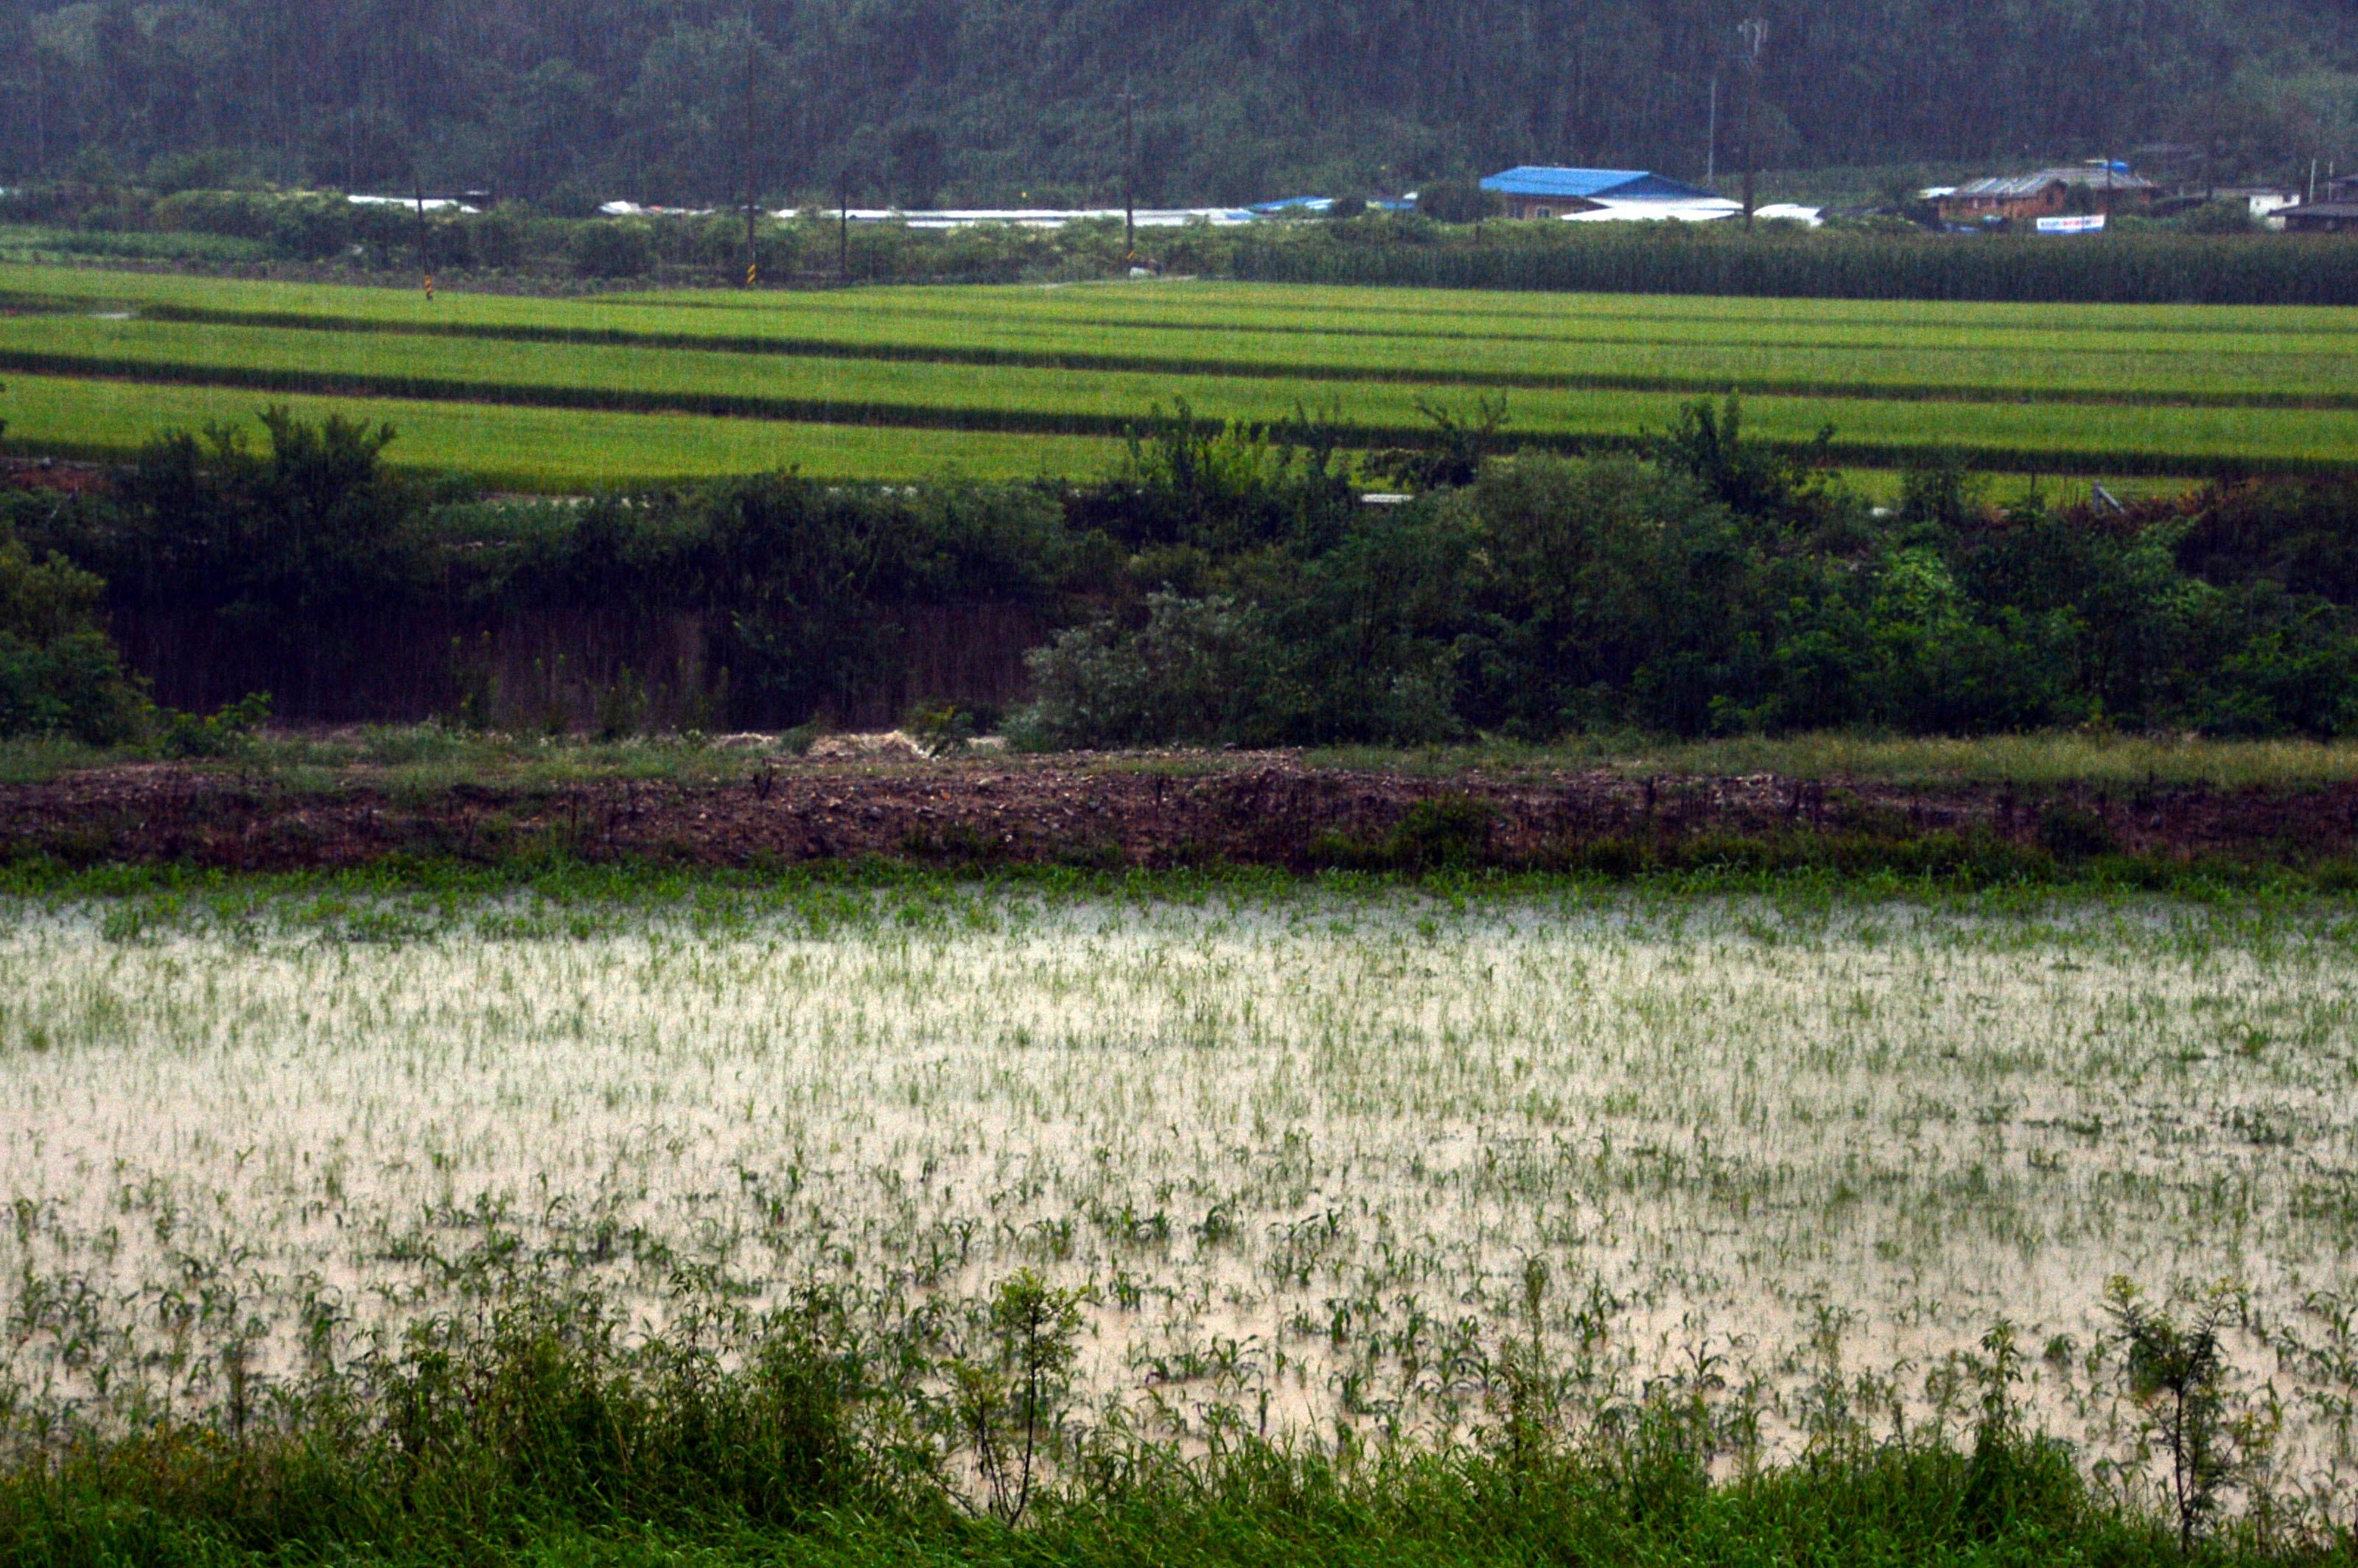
(60, 674)
(1719, 589)
(1231, 586)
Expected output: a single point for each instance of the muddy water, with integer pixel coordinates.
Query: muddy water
(1299, 1155)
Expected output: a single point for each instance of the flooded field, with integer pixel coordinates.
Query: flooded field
(1792, 1163)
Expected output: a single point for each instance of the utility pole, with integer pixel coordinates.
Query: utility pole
(1129, 172)
(843, 225)
(745, 162)
(1711, 149)
(1753, 35)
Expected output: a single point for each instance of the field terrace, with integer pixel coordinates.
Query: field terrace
(1019, 382)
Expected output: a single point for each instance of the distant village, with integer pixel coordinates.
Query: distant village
(2061, 200)
(2069, 198)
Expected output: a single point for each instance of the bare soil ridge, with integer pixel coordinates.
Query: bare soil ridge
(1149, 811)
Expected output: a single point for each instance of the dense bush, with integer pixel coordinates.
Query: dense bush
(235, 214)
(809, 580)
(611, 250)
(2220, 218)
(1199, 671)
(1458, 201)
(281, 541)
(1717, 587)
(1232, 585)
(59, 673)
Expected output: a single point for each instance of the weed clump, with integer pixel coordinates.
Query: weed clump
(1439, 832)
(2072, 832)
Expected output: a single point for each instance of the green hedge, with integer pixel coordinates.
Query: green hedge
(2147, 268)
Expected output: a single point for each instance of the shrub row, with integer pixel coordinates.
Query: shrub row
(2146, 269)
(2146, 265)
(314, 226)
(1720, 587)
(1230, 586)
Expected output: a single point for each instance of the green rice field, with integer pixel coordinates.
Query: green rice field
(1015, 382)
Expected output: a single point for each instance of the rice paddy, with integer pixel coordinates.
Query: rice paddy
(904, 382)
(1317, 1161)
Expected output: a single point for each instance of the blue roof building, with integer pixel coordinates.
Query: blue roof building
(1536, 191)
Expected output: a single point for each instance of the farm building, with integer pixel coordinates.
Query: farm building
(2051, 192)
(2264, 201)
(2321, 218)
(1533, 191)
(2264, 204)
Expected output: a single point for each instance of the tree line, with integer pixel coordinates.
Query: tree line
(919, 101)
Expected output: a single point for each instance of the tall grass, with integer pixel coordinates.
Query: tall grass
(539, 1435)
(2028, 761)
(420, 761)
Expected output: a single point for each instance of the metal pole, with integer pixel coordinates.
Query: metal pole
(843, 229)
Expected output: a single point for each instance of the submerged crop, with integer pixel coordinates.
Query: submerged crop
(1311, 1168)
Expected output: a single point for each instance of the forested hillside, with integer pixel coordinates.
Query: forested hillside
(993, 100)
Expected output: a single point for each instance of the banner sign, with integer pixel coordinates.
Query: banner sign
(2092, 223)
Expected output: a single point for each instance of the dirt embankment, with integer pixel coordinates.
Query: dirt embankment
(65, 477)
(1252, 809)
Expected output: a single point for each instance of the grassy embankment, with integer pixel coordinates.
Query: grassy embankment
(430, 757)
(893, 382)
